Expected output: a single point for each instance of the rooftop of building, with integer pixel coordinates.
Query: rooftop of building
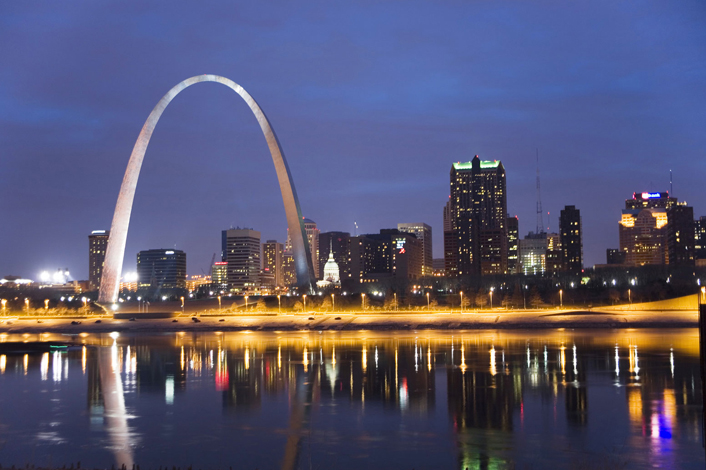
(484, 164)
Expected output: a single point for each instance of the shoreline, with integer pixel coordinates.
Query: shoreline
(354, 321)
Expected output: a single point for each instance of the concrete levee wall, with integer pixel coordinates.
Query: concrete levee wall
(689, 302)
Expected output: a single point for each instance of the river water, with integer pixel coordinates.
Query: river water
(351, 400)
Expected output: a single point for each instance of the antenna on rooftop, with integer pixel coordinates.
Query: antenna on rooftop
(540, 218)
(671, 190)
(356, 228)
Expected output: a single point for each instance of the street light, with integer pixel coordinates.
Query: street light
(491, 297)
(395, 294)
(428, 306)
(629, 297)
(46, 304)
(363, 297)
(182, 305)
(561, 298)
(4, 303)
(27, 304)
(461, 301)
(333, 304)
(219, 303)
(305, 302)
(246, 303)
(279, 304)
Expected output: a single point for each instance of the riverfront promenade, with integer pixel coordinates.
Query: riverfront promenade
(352, 321)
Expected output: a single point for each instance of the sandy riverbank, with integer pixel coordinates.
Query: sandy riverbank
(489, 319)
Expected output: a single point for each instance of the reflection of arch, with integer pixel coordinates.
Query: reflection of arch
(110, 280)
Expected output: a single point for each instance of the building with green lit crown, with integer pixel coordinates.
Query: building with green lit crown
(479, 217)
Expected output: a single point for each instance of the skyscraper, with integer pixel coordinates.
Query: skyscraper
(700, 238)
(643, 228)
(242, 252)
(680, 235)
(97, 243)
(533, 253)
(479, 212)
(423, 234)
(450, 241)
(272, 260)
(570, 233)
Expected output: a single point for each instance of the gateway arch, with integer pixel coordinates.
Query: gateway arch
(115, 251)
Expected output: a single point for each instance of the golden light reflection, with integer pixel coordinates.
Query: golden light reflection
(279, 357)
(635, 404)
(182, 362)
(25, 362)
(562, 359)
(429, 358)
(306, 359)
(83, 359)
(333, 356)
(365, 359)
(463, 359)
(3, 363)
(493, 369)
(247, 359)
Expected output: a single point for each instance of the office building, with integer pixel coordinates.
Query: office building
(97, 244)
(533, 253)
(555, 256)
(242, 251)
(513, 236)
(615, 256)
(479, 214)
(391, 254)
(219, 275)
(423, 233)
(571, 241)
(450, 241)
(161, 272)
(338, 242)
(680, 235)
(643, 228)
(700, 238)
(289, 274)
(272, 261)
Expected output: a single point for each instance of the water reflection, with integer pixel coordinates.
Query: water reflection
(505, 399)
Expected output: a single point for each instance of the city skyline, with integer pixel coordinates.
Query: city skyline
(616, 118)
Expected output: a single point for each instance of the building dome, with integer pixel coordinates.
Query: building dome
(331, 271)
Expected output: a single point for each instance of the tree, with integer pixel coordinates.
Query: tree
(326, 305)
(465, 302)
(481, 298)
(298, 306)
(535, 298)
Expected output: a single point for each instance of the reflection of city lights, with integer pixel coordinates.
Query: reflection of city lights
(635, 405)
(617, 362)
(25, 362)
(83, 359)
(365, 359)
(3, 363)
(671, 360)
(575, 364)
(247, 359)
(169, 390)
(493, 370)
(562, 360)
(279, 357)
(306, 359)
(56, 366)
(429, 358)
(463, 359)
(44, 366)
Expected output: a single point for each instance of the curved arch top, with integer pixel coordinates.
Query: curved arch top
(115, 251)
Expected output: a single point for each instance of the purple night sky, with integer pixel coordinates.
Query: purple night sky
(371, 101)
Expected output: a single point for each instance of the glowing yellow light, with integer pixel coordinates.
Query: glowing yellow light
(182, 362)
(333, 356)
(627, 220)
(306, 359)
(429, 358)
(493, 369)
(247, 359)
(365, 359)
(563, 360)
(279, 357)
(661, 218)
(25, 362)
(83, 359)
(3, 363)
